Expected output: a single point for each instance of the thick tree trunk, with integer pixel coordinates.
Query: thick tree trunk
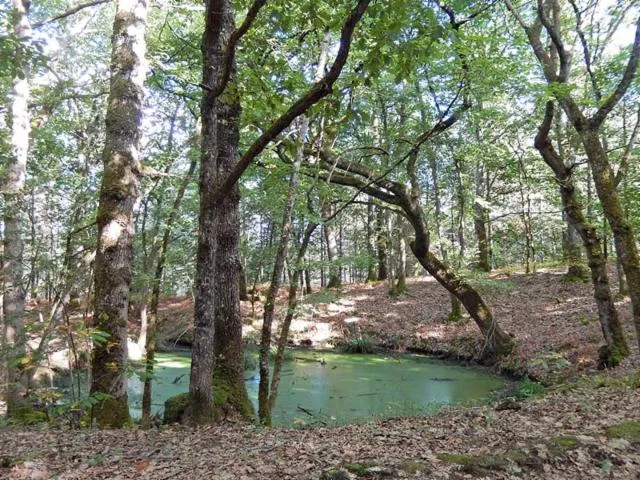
(13, 335)
(218, 26)
(231, 398)
(118, 194)
(573, 254)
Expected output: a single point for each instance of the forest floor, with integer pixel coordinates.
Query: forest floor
(586, 424)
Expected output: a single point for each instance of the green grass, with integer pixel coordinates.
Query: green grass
(629, 430)
(357, 345)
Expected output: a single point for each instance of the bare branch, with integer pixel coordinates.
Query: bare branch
(69, 12)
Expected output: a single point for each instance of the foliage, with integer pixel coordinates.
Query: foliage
(362, 344)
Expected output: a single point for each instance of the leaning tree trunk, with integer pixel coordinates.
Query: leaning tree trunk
(118, 194)
(13, 334)
(292, 304)
(497, 343)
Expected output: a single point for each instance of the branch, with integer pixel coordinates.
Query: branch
(69, 12)
(316, 93)
(624, 84)
(543, 144)
(533, 34)
(585, 50)
(230, 54)
(556, 39)
(351, 181)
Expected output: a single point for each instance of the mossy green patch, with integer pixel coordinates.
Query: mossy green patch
(413, 466)
(629, 430)
(230, 399)
(359, 469)
(174, 408)
(563, 443)
(482, 464)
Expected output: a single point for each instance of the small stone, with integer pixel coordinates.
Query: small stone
(619, 443)
(587, 440)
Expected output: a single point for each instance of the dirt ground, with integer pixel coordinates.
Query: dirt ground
(585, 425)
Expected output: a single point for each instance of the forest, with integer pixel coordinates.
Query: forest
(313, 239)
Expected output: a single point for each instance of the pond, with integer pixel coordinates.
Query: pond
(327, 388)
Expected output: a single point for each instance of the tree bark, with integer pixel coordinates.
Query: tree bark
(231, 398)
(118, 194)
(556, 65)
(13, 334)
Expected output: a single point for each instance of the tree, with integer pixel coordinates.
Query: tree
(616, 347)
(219, 230)
(118, 194)
(13, 334)
(556, 66)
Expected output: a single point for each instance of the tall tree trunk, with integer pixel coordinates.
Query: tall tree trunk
(228, 347)
(332, 247)
(480, 216)
(381, 243)
(13, 334)
(150, 338)
(623, 235)
(118, 194)
(573, 255)
(218, 25)
(371, 242)
(264, 410)
(613, 332)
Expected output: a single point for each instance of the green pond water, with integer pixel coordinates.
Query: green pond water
(330, 388)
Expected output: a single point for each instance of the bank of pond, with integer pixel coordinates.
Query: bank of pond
(329, 388)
